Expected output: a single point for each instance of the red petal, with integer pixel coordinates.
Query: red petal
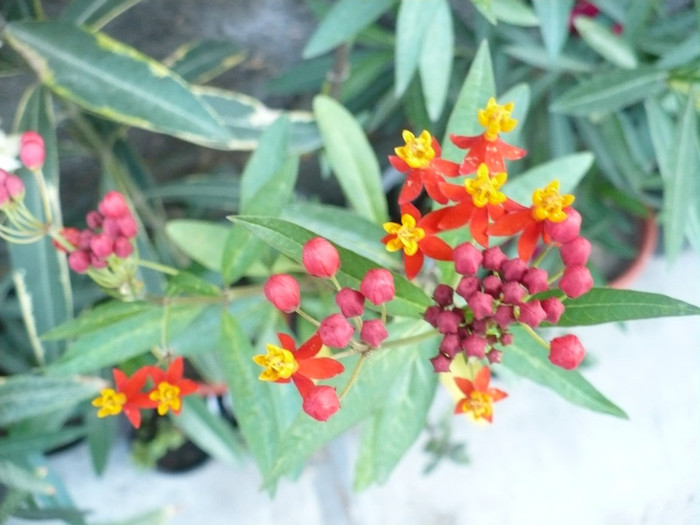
(466, 386)
(510, 206)
(388, 237)
(495, 211)
(411, 210)
(187, 387)
(411, 189)
(320, 368)
(287, 341)
(310, 348)
(413, 264)
(511, 223)
(464, 142)
(120, 380)
(133, 415)
(528, 241)
(482, 378)
(454, 192)
(304, 384)
(445, 167)
(432, 187)
(436, 147)
(509, 151)
(399, 164)
(457, 215)
(174, 373)
(493, 158)
(436, 248)
(496, 394)
(479, 225)
(431, 222)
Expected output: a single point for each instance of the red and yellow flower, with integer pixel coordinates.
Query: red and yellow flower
(170, 387)
(478, 396)
(126, 397)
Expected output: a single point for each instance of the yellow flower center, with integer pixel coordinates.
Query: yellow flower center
(110, 402)
(478, 405)
(279, 363)
(484, 189)
(168, 397)
(418, 151)
(407, 235)
(548, 204)
(496, 118)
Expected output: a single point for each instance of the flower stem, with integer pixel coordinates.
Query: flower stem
(535, 336)
(353, 377)
(157, 267)
(306, 316)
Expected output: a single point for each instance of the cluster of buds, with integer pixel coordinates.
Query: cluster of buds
(11, 190)
(130, 394)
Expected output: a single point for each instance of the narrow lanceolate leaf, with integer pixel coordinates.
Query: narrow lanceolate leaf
(474, 94)
(288, 238)
(352, 159)
(99, 317)
(414, 19)
(94, 14)
(199, 62)
(567, 170)
(115, 81)
(610, 91)
(683, 174)
(526, 357)
(554, 23)
(41, 441)
(514, 12)
(269, 177)
(603, 41)
(17, 477)
(607, 305)
(203, 241)
(344, 20)
(24, 396)
(435, 64)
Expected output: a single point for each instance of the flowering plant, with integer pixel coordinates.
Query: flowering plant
(309, 318)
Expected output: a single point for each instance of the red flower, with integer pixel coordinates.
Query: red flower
(170, 387)
(479, 398)
(420, 160)
(415, 236)
(127, 397)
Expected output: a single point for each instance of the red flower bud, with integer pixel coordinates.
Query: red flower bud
(475, 346)
(575, 281)
(102, 245)
(467, 258)
(127, 226)
(72, 235)
(351, 302)
(441, 363)
(123, 247)
(94, 220)
(450, 345)
(4, 196)
(282, 291)
(431, 314)
(321, 403)
(513, 269)
(373, 332)
(492, 285)
(553, 308)
(494, 356)
(566, 230)
(513, 292)
(504, 316)
(335, 331)
(531, 313)
(566, 351)
(467, 286)
(535, 280)
(320, 258)
(576, 252)
(14, 186)
(493, 258)
(481, 304)
(79, 261)
(31, 151)
(110, 227)
(378, 286)
(448, 321)
(113, 205)
(443, 294)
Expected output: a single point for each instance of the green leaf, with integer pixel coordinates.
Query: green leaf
(199, 62)
(17, 477)
(526, 357)
(474, 94)
(603, 41)
(99, 317)
(485, 7)
(94, 14)
(554, 23)
(568, 170)
(115, 81)
(514, 12)
(203, 241)
(352, 159)
(342, 22)
(101, 433)
(25, 396)
(288, 238)
(124, 339)
(413, 21)
(537, 56)
(435, 65)
(190, 284)
(209, 432)
(683, 173)
(610, 91)
(41, 441)
(269, 177)
(607, 305)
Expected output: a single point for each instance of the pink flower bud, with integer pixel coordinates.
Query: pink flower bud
(378, 286)
(450, 345)
(321, 403)
(351, 302)
(566, 230)
(3, 176)
(127, 226)
(531, 313)
(443, 294)
(479, 326)
(441, 363)
(493, 258)
(111, 228)
(282, 291)
(481, 304)
(504, 316)
(72, 235)
(431, 314)
(14, 186)
(97, 262)
(475, 346)
(513, 269)
(506, 339)
(535, 280)
(85, 238)
(79, 261)
(467, 258)
(513, 292)
(373, 332)
(123, 247)
(495, 356)
(102, 245)
(320, 258)
(31, 151)
(4, 195)
(94, 220)
(113, 205)
(575, 281)
(467, 286)
(335, 331)
(576, 252)
(492, 285)
(553, 307)
(448, 321)
(566, 351)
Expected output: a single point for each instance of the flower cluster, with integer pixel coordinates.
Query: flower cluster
(130, 396)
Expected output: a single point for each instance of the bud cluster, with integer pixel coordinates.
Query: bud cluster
(11, 190)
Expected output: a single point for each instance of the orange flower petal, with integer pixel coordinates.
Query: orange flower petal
(320, 368)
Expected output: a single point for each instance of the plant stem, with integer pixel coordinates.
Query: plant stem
(535, 335)
(353, 377)
(157, 267)
(307, 317)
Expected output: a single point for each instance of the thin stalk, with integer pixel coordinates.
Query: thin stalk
(307, 317)
(169, 270)
(535, 335)
(353, 377)
(44, 193)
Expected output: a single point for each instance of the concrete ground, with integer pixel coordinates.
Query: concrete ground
(542, 462)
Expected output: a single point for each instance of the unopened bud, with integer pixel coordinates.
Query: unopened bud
(575, 281)
(467, 258)
(378, 286)
(282, 291)
(320, 258)
(113, 205)
(566, 351)
(321, 402)
(335, 331)
(31, 151)
(373, 332)
(566, 230)
(351, 302)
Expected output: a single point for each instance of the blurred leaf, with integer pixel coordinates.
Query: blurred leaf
(206, 190)
(605, 160)
(682, 54)
(436, 58)
(25, 396)
(485, 7)
(189, 283)
(526, 357)
(683, 173)
(203, 241)
(344, 20)
(514, 12)
(519, 95)
(98, 317)
(610, 91)
(67, 514)
(554, 23)
(100, 433)
(14, 476)
(474, 94)
(561, 136)
(603, 41)
(199, 62)
(41, 441)
(352, 159)
(209, 432)
(94, 14)
(608, 305)
(115, 81)
(288, 238)
(152, 517)
(269, 177)
(537, 56)
(567, 170)
(414, 19)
